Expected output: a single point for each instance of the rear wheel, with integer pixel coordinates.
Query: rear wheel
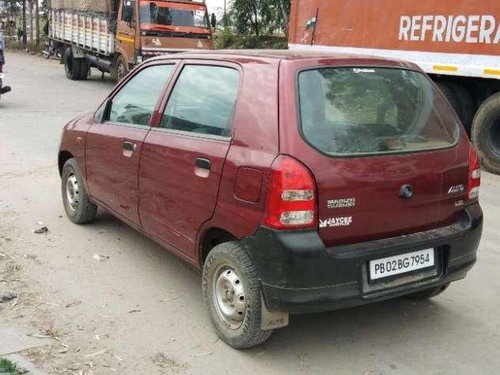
(428, 293)
(453, 98)
(84, 69)
(467, 106)
(71, 65)
(486, 133)
(231, 291)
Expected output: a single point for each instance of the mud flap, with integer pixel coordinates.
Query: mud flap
(272, 319)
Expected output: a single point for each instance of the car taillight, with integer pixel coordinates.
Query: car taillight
(291, 201)
(474, 174)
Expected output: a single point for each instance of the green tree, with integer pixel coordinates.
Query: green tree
(260, 16)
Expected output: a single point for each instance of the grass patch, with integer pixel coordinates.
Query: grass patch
(7, 367)
(228, 39)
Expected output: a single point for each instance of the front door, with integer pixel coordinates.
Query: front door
(182, 160)
(113, 144)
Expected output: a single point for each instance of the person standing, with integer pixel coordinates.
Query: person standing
(2, 46)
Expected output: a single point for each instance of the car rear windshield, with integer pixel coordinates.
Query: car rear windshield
(356, 111)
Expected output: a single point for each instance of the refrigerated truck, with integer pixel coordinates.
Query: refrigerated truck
(115, 35)
(457, 42)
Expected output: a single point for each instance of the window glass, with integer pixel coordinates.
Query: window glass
(202, 100)
(350, 111)
(128, 10)
(135, 102)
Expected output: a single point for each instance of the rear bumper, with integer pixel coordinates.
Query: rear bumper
(299, 274)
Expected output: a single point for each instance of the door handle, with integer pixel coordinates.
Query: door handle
(203, 163)
(129, 146)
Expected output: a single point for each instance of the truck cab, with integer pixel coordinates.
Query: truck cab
(148, 28)
(115, 35)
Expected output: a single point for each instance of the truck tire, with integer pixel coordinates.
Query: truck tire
(486, 133)
(467, 107)
(71, 65)
(84, 69)
(231, 290)
(452, 97)
(119, 70)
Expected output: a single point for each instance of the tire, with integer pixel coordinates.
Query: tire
(84, 69)
(428, 293)
(120, 69)
(71, 65)
(77, 204)
(453, 99)
(467, 106)
(228, 265)
(486, 133)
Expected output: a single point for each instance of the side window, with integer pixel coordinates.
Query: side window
(202, 100)
(128, 10)
(135, 102)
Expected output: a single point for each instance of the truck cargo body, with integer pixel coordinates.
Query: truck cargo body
(85, 30)
(115, 35)
(457, 42)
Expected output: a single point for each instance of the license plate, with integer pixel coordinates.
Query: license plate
(403, 263)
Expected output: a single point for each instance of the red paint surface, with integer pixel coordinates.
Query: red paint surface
(177, 206)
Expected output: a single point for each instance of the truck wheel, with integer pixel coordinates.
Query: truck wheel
(486, 133)
(452, 98)
(467, 106)
(231, 290)
(120, 69)
(79, 208)
(428, 293)
(71, 65)
(84, 69)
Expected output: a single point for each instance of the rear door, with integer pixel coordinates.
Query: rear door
(183, 158)
(114, 141)
(384, 148)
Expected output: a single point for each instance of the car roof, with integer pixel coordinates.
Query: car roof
(288, 55)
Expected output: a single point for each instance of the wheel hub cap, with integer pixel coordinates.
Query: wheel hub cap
(229, 297)
(72, 192)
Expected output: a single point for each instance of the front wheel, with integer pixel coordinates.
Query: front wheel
(79, 208)
(232, 294)
(120, 69)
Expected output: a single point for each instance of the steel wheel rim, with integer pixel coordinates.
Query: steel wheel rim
(72, 192)
(229, 297)
(120, 71)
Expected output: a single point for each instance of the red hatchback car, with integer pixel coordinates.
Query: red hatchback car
(297, 183)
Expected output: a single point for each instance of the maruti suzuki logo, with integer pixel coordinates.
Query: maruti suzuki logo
(406, 191)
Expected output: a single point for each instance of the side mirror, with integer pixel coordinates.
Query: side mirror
(128, 11)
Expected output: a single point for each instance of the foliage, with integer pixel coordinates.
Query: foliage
(224, 38)
(228, 39)
(260, 17)
(7, 367)
(13, 7)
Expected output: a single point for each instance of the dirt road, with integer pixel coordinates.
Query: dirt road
(137, 309)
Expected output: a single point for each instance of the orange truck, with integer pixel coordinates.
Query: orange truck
(115, 35)
(457, 42)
